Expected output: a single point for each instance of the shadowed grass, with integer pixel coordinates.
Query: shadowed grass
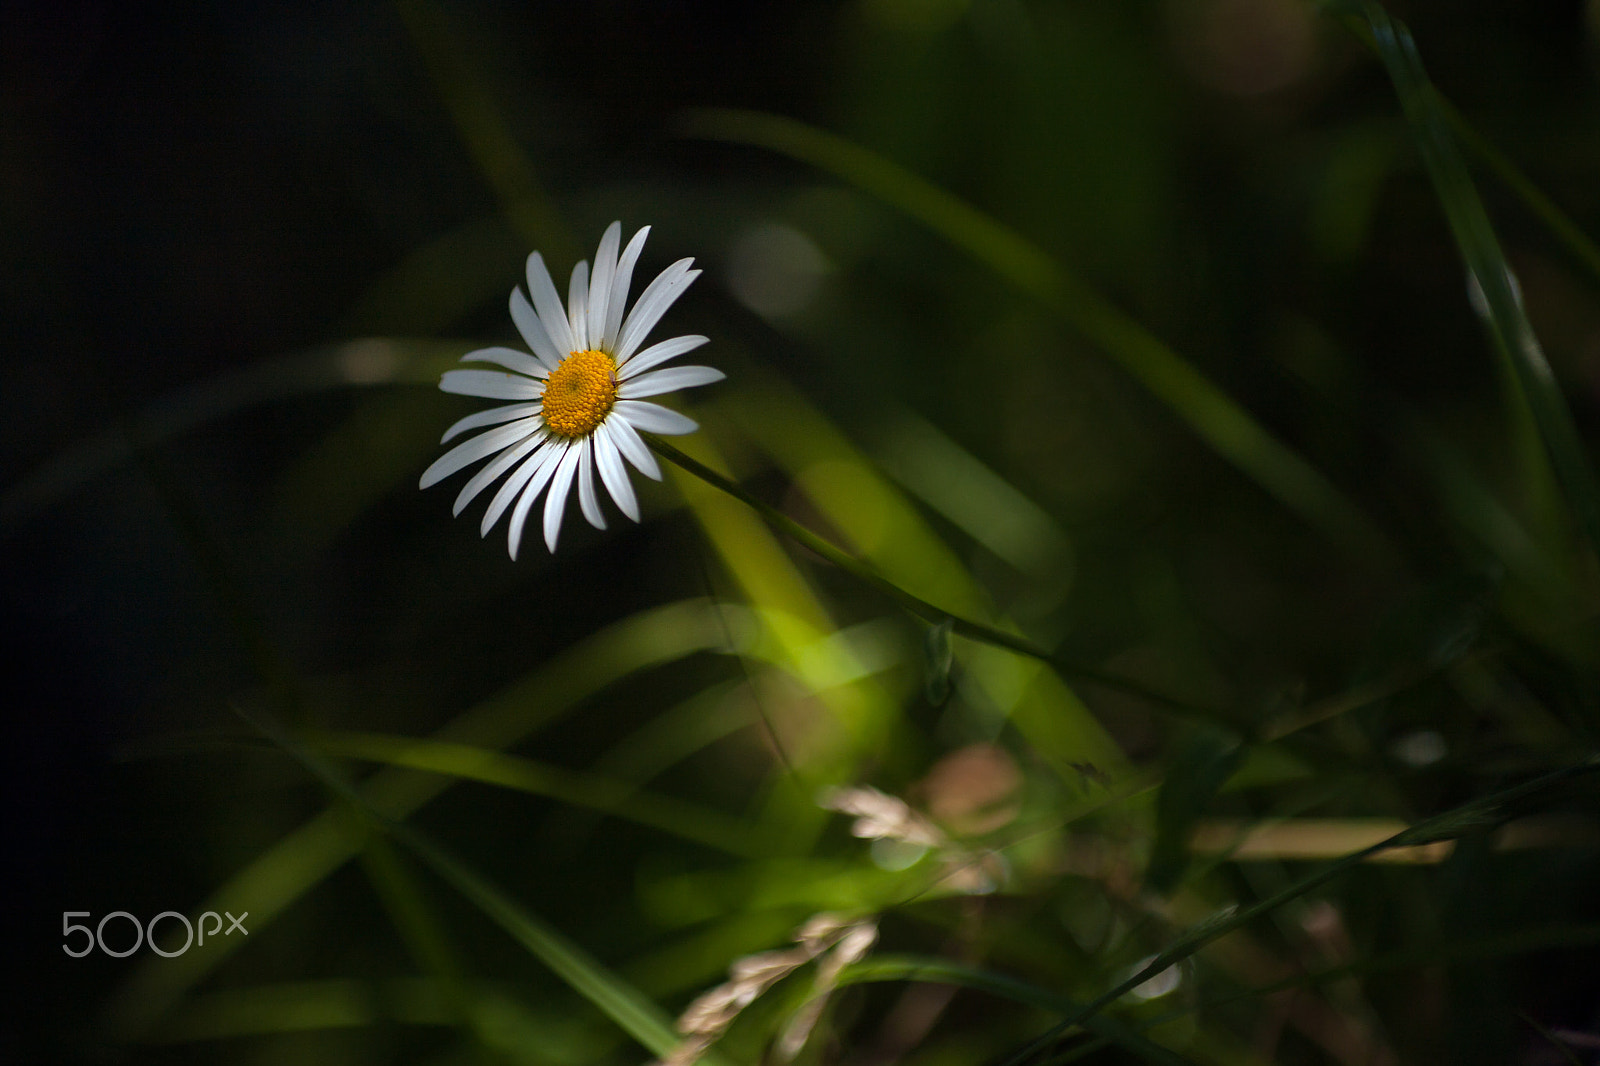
(305, 857)
(338, 366)
(1467, 818)
(1536, 391)
(943, 971)
(630, 1009)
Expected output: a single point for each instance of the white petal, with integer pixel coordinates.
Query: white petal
(555, 505)
(492, 416)
(548, 303)
(491, 384)
(613, 473)
(578, 306)
(532, 330)
(605, 270)
(532, 473)
(511, 359)
(670, 379)
(468, 452)
(657, 354)
(653, 418)
(492, 470)
(653, 303)
(619, 290)
(586, 497)
(519, 517)
(633, 447)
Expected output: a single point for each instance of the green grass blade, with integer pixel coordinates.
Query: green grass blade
(425, 936)
(632, 1011)
(1577, 243)
(1205, 408)
(629, 1008)
(1505, 317)
(304, 858)
(469, 763)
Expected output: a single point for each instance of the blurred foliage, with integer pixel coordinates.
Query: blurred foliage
(1206, 391)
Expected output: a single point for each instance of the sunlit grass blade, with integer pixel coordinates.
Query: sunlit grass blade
(1205, 408)
(898, 543)
(699, 956)
(966, 627)
(1507, 321)
(982, 504)
(802, 638)
(1302, 839)
(304, 858)
(464, 761)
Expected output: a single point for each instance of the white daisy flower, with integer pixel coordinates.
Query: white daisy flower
(579, 395)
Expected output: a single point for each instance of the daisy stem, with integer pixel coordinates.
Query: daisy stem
(864, 572)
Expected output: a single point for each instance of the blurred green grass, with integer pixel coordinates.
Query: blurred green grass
(1209, 348)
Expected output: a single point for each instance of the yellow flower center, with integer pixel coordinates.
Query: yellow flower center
(579, 394)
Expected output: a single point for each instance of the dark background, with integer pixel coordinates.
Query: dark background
(190, 191)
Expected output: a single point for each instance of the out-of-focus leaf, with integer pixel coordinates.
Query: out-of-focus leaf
(936, 651)
(686, 820)
(955, 483)
(1203, 761)
(1202, 406)
(371, 361)
(488, 138)
(900, 544)
(524, 1035)
(386, 442)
